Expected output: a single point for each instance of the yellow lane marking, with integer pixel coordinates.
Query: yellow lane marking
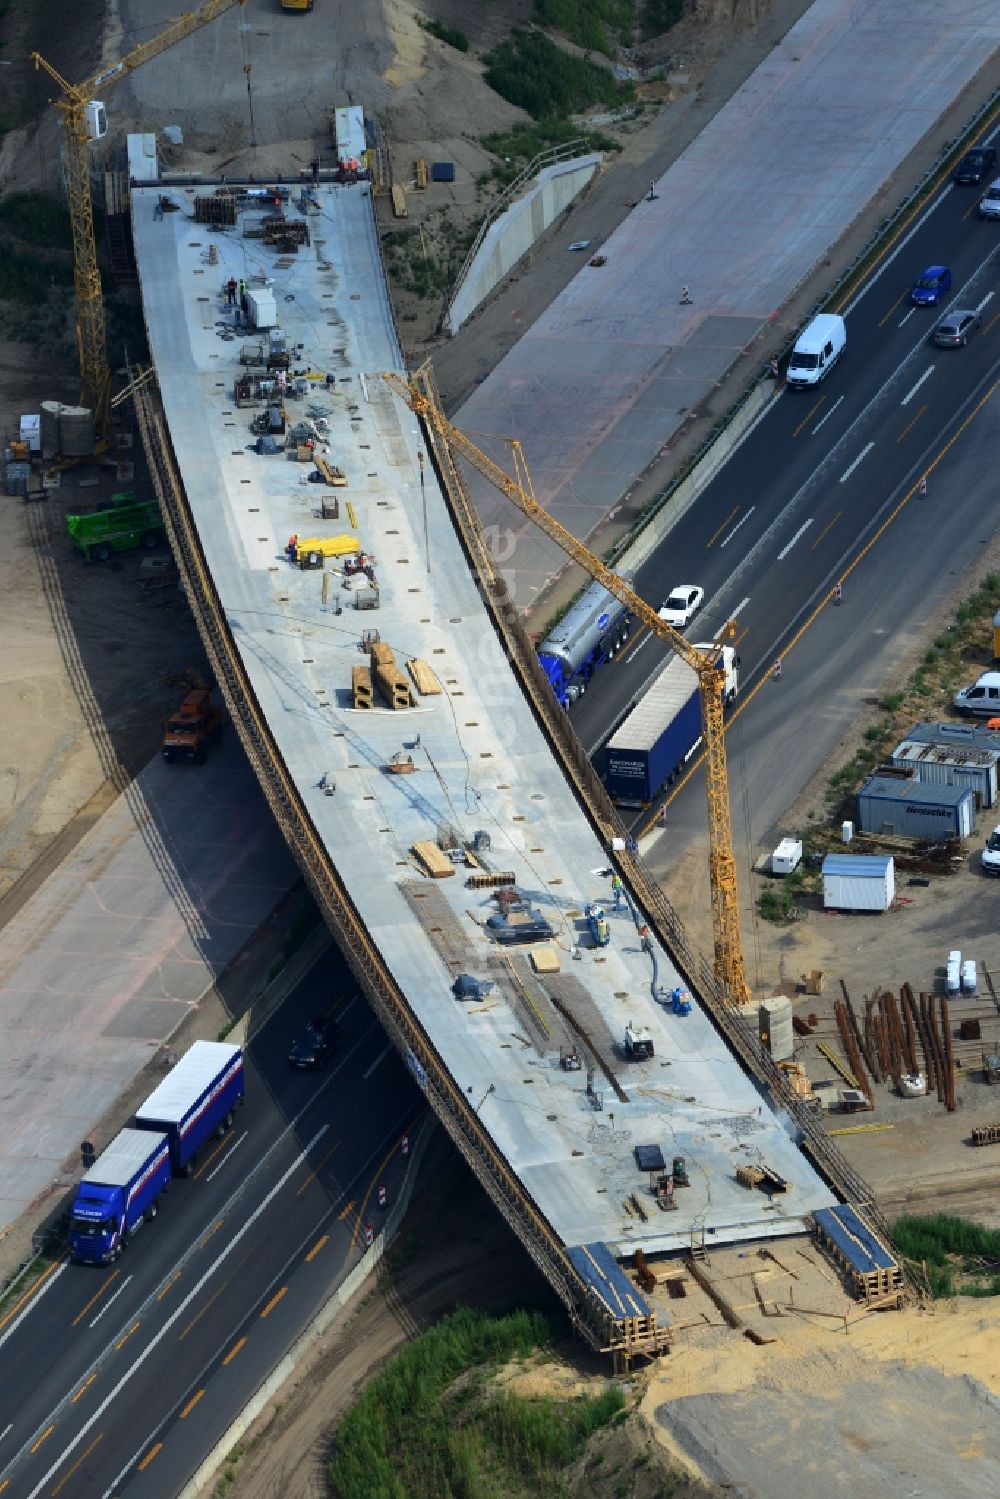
(156, 1447)
(911, 424)
(345, 1211)
(211, 1232)
(894, 307)
(169, 1285)
(83, 1389)
(809, 416)
(4, 1485)
(31, 1291)
(317, 1169)
(992, 322)
(207, 1160)
(314, 1251)
(807, 624)
(191, 1404)
(43, 1438)
(972, 208)
(742, 635)
(392, 1151)
(274, 1301)
(96, 1297)
(123, 1340)
(81, 1459)
(716, 534)
(234, 1351)
(828, 527)
(198, 1315)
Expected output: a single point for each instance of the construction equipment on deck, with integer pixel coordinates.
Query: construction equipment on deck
(707, 665)
(195, 725)
(638, 1043)
(84, 120)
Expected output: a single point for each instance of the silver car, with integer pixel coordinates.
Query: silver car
(955, 330)
(989, 203)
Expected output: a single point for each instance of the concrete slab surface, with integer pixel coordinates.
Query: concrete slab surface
(482, 764)
(599, 384)
(108, 957)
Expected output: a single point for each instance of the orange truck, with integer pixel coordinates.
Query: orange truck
(195, 725)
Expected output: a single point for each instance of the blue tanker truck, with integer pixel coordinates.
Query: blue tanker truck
(121, 1189)
(592, 632)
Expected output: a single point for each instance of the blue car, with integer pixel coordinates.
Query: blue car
(931, 286)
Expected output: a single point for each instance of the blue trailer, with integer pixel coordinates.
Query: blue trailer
(661, 733)
(593, 631)
(118, 1194)
(195, 1100)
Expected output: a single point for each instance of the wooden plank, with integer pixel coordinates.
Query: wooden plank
(334, 476)
(434, 862)
(424, 678)
(399, 201)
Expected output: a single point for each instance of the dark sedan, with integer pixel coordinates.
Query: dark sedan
(315, 1044)
(975, 165)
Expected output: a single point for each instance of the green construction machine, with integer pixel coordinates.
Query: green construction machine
(126, 523)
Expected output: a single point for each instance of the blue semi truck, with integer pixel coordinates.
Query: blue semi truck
(592, 632)
(120, 1190)
(661, 733)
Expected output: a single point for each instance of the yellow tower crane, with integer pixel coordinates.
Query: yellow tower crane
(84, 120)
(707, 666)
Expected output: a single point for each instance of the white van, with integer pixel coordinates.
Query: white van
(981, 699)
(818, 348)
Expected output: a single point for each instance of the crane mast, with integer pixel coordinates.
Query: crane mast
(91, 330)
(729, 965)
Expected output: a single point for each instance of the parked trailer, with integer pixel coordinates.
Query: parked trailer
(593, 631)
(661, 733)
(118, 1194)
(195, 1100)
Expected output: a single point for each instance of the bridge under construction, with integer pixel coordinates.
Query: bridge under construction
(423, 774)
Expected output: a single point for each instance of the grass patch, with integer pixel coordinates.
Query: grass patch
(779, 899)
(531, 72)
(588, 22)
(448, 34)
(428, 1423)
(525, 142)
(962, 1258)
(36, 219)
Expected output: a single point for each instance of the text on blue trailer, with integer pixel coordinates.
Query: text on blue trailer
(120, 1190)
(592, 632)
(659, 735)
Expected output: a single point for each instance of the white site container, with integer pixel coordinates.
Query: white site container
(858, 882)
(787, 856)
(969, 981)
(31, 432)
(846, 832)
(261, 308)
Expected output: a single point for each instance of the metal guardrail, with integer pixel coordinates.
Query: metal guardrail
(578, 147)
(371, 973)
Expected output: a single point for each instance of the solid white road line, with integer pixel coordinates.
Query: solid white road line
(739, 523)
(111, 1300)
(9, 1331)
(827, 417)
(788, 547)
(158, 1337)
(227, 1157)
(863, 454)
(914, 388)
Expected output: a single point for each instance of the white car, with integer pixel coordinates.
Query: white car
(989, 203)
(682, 605)
(990, 856)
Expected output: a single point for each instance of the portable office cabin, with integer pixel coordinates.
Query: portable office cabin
(143, 165)
(858, 882)
(899, 805)
(952, 765)
(349, 131)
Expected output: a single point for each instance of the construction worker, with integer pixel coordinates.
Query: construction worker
(774, 367)
(292, 546)
(243, 296)
(617, 890)
(231, 291)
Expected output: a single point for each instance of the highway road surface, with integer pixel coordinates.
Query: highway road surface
(121, 1379)
(812, 481)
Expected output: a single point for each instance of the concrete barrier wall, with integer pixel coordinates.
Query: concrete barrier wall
(516, 230)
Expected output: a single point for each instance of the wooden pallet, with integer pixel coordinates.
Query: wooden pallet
(361, 687)
(399, 201)
(433, 861)
(424, 679)
(334, 476)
